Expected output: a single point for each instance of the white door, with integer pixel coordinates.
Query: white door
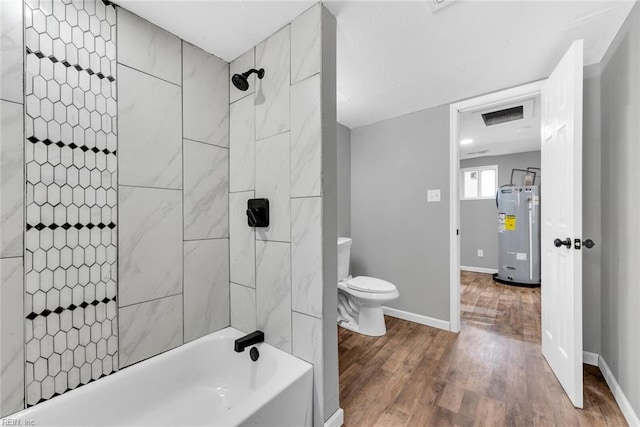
(561, 196)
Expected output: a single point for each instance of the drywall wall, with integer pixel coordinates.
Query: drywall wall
(401, 238)
(344, 181)
(620, 109)
(478, 220)
(398, 236)
(591, 209)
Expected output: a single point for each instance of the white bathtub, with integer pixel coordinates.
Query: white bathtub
(204, 382)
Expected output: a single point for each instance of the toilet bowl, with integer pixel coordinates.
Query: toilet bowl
(360, 299)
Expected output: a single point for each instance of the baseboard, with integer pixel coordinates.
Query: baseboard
(417, 318)
(589, 358)
(618, 394)
(478, 269)
(335, 420)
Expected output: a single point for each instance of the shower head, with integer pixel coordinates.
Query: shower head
(240, 80)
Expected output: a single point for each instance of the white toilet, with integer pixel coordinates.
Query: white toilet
(360, 299)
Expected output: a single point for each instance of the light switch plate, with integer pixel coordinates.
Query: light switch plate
(433, 195)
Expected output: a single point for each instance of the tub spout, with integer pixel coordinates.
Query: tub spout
(248, 340)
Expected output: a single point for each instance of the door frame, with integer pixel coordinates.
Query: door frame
(499, 97)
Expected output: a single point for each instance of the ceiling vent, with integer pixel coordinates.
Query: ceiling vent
(436, 5)
(503, 116)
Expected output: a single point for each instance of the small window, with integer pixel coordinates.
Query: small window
(479, 182)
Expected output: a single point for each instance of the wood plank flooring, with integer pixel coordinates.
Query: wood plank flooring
(491, 374)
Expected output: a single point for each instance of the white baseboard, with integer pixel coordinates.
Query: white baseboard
(478, 269)
(417, 318)
(618, 394)
(589, 358)
(335, 420)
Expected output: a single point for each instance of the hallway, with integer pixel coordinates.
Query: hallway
(491, 374)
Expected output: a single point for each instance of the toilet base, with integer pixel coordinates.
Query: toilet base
(351, 326)
(370, 322)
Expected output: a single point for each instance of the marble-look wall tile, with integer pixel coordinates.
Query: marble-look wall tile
(11, 50)
(11, 179)
(307, 345)
(273, 293)
(205, 82)
(306, 44)
(243, 308)
(206, 189)
(306, 137)
(206, 287)
(272, 182)
(149, 329)
(240, 65)
(148, 48)
(150, 244)
(272, 91)
(12, 333)
(242, 145)
(306, 255)
(150, 131)
(242, 241)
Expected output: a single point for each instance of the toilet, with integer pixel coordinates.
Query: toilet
(360, 299)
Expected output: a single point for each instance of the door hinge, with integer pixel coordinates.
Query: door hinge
(577, 244)
(457, 231)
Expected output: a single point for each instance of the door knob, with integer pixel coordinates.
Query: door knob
(566, 242)
(589, 243)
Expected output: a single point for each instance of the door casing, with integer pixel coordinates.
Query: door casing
(495, 98)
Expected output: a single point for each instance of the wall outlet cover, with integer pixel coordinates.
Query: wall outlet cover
(480, 253)
(433, 195)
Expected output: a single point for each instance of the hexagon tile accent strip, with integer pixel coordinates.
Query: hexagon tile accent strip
(71, 206)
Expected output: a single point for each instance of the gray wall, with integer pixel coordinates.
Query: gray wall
(344, 181)
(591, 207)
(478, 220)
(394, 162)
(397, 235)
(620, 98)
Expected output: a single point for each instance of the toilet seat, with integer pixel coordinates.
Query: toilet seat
(370, 284)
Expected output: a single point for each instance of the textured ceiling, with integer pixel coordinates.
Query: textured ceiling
(399, 57)
(517, 136)
(396, 58)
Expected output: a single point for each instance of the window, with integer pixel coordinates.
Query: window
(479, 182)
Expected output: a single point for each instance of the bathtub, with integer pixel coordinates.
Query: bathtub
(204, 382)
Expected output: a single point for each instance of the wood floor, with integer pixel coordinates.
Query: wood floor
(491, 374)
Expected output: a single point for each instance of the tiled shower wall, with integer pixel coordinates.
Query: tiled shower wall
(283, 147)
(71, 204)
(173, 112)
(11, 207)
(171, 229)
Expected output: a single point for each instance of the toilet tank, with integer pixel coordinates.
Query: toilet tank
(344, 255)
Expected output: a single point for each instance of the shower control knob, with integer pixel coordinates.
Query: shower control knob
(589, 243)
(566, 242)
